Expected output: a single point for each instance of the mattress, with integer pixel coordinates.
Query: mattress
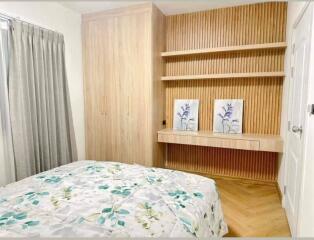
(110, 199)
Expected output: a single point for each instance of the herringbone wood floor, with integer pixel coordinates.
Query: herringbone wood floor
(252, 210)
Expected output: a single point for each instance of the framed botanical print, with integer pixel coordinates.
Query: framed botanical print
(185, 116)
(228, 114)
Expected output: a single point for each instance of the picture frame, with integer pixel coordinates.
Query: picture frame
(228, 116)
(185, 116)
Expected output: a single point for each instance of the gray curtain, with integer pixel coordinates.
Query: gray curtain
(40, 110)
(7, 169)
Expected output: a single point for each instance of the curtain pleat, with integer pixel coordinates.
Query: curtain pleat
(41, 118)
(7, 170)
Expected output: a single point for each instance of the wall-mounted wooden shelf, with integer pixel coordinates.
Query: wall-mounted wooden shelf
(253, 142)
(276, 45)
(224, 75)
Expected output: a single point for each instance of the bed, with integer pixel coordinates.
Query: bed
(110, 199)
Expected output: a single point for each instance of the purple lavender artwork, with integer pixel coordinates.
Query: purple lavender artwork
(186, 115)
(228, 116)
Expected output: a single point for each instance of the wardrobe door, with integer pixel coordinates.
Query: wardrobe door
(124, 74)
(112, 147)
(121, 120)
(93, 84)
(135, 64)
(102, 95)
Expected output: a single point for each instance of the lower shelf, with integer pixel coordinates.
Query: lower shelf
(252, 142)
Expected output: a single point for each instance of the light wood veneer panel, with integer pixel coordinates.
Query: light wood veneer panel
(122, 71)
(223, 63)
(279, 45)
(253, 142)
(159, 93)
(262, 101)
(242, 25)
(234, 163)
(224, 76)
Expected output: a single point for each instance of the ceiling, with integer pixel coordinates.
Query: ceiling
(167, 7)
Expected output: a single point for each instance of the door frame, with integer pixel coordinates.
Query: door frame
(304, 133)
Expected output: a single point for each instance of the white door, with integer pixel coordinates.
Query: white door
(297, 111)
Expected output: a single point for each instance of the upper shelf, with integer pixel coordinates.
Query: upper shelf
(276, 45)
(252, 142)
(224, 75)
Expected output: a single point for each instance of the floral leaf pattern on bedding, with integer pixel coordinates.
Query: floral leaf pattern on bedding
(153, 179)
(180, 198)
(198, 194)
(31, 198)
(2, 200)
(103, 187)
(30, 224)
(10, 218)
(114, 215)
(109, 199)
(14, 220)
(93, 169)
(50, 179)
(122, 191)
(148, 215)
(67, 193)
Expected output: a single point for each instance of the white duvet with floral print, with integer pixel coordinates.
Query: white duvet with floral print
(109, 199)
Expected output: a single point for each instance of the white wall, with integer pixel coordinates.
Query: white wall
(294, 9)
(56, 17)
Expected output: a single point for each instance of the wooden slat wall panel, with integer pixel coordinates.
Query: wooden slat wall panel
(262, 101)
(248, 24)
(223, 162)
(236, 62)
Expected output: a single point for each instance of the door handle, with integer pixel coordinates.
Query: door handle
(297, 129)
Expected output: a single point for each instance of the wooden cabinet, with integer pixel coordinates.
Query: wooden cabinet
(123, 90)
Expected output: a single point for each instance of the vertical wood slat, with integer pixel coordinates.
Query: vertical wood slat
(227, 162)
(262, 101)
(269, 60)
(242, 25)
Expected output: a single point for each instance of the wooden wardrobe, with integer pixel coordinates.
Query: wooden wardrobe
(123, 91)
